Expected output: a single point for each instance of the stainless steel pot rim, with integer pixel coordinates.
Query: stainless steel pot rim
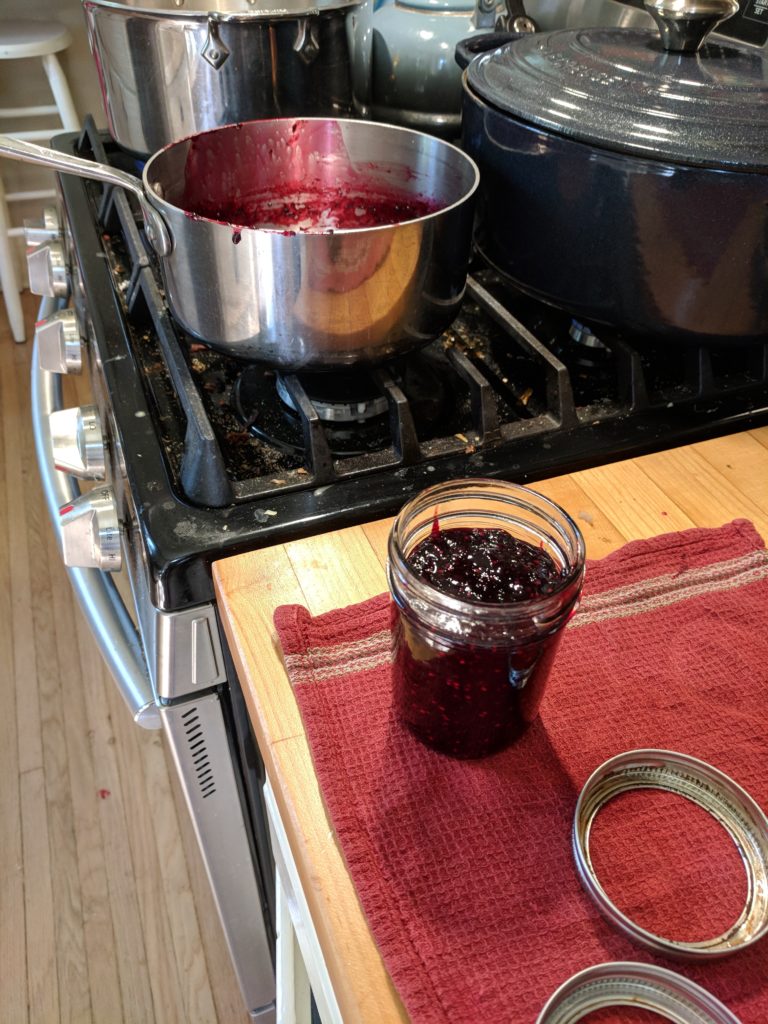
(354, 124)
(227, 11)
(625, 983)
(711, 790)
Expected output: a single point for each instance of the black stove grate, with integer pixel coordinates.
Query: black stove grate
(494, 374)
(225, 460)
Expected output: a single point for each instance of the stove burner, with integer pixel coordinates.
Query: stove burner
(356, 409)
(339, 398)
(265, 404)
(582, 335)
(590, 359)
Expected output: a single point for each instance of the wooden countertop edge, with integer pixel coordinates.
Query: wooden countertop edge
(317, 855)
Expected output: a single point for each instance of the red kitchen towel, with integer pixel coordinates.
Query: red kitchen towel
(464, 868)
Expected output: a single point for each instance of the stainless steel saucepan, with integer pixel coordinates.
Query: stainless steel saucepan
(298, 296)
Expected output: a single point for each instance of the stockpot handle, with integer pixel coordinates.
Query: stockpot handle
(154, 225)
(471, 47)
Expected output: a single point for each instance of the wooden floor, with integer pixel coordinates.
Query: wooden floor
(105, 911)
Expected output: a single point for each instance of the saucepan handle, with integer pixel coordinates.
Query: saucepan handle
(471, 47)
(154, 225)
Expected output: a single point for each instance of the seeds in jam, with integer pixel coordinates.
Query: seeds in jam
(482, 564)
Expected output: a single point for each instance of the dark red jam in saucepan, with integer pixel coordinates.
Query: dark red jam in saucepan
(463, 699)
(316, 207)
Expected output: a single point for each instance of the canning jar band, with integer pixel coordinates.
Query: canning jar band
(632, 984)
(711, 790)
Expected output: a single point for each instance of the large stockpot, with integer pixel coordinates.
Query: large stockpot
(170, 68)
(625, 178)
(293, 298)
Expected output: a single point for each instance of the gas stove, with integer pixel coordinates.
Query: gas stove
(196, 456)
(222, 455)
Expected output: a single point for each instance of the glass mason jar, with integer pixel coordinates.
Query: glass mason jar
(468, 675)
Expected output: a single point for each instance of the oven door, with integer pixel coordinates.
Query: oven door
(198, 727)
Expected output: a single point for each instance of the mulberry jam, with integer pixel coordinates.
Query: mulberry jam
(484, 575)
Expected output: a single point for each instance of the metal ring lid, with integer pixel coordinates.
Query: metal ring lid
(631, 984)
(711, 790)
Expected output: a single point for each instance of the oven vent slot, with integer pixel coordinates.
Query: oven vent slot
(198, 752)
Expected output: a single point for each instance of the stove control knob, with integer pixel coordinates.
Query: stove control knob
(46, 230)
(78, 442)
(59, 344)
(47, 267)
(90, 531)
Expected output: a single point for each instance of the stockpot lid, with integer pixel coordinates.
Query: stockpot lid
(703, 104)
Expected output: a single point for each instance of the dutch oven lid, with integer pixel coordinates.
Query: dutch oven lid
(668, 98)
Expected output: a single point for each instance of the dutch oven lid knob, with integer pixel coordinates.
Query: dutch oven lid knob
(685, 24)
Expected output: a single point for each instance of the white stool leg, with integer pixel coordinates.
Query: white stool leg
(293, 1002)
(8, 277)
(61, 93)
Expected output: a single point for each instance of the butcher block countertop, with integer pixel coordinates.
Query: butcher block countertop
(704, 484)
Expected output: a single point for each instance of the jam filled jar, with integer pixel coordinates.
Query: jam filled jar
(483, 574)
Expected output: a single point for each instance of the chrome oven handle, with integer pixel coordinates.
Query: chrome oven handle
(96, 592)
